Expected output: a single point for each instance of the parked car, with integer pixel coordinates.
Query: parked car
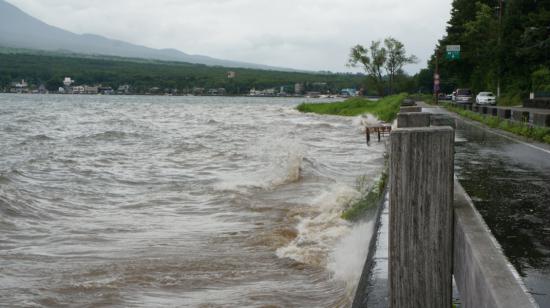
(462, 96)
(486, 98)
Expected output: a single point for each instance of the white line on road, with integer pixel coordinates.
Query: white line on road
(492, 130)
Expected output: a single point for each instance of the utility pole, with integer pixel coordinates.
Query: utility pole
(499, 46)
(436, 77)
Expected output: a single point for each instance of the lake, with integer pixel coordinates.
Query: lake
(179, 201)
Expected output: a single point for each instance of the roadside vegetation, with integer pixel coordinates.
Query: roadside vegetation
(385, 109)
(502, 43)
(371, 198)
(540, 134)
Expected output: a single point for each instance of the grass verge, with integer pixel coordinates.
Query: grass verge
(370, 199)
(385, 109)
(540, 134)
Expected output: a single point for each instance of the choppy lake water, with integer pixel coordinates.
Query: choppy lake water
(178, 201)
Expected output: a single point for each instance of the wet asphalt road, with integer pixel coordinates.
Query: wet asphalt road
(509, 182)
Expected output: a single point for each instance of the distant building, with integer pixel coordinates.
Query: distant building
(91, 89)
(78, 90)
(298, 88)
(266, 92)
(123, 89)
(42, 89)
(348, 92)
(67, 82)
(198, 91)
(231, 74)
(20, 87)
(105, 90)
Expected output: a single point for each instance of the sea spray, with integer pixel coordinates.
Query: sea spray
(281, 156)
(347, 259)
(318, 233)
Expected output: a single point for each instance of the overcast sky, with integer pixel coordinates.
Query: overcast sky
(302, 34)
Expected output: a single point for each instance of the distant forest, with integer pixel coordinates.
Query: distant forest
(142, 75)
(50, 69)
(500, 40)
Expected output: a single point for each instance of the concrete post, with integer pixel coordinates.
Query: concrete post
(411, 109)
(442, 120)
(541, 119)
(421, 217)
(413, 119)
(504, 113)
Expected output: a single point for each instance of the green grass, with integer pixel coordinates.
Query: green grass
(426, 98)
(537, 133)
(370, 200)
(512, 99)
(385, 109)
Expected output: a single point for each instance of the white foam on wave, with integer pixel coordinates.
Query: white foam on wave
(279, 161)
(319, 233)
(347, 259)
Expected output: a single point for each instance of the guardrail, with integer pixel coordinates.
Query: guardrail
(436, 232)
(532, 116)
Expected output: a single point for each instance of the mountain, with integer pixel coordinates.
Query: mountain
(20, 30)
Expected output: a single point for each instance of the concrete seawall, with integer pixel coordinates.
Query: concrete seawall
(484, 277)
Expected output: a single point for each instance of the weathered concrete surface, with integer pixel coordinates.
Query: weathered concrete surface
(484, 109)
(504, 113)
(408, 102)
(483, 275)
(520, 116)
(442, 120)
(411, 109)
(372, 290)
(492, 110)
(421, 217)
(541, 119)
(413, 119)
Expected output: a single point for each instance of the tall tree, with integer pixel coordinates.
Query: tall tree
(372, 59)
(396, 58)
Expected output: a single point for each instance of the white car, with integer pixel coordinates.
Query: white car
(486, 98)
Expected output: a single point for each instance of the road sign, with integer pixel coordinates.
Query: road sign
(453, 52)
(436, 76)
(453, 48)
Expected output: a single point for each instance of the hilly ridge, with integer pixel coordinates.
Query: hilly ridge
(20, 30)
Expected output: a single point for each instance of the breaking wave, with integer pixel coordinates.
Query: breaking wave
(319, 232)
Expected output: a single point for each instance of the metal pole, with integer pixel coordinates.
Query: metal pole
(436, 92)
(499, 47)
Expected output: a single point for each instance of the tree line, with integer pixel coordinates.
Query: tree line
(504, 44)
(142, 75)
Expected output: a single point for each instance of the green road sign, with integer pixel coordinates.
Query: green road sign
(453, 52)
(452, 55)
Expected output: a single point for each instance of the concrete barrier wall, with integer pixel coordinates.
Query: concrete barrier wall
(536, 117)
(436, 232)
(483, 275)
(413, 119)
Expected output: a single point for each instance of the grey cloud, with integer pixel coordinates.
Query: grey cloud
(304, 34)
